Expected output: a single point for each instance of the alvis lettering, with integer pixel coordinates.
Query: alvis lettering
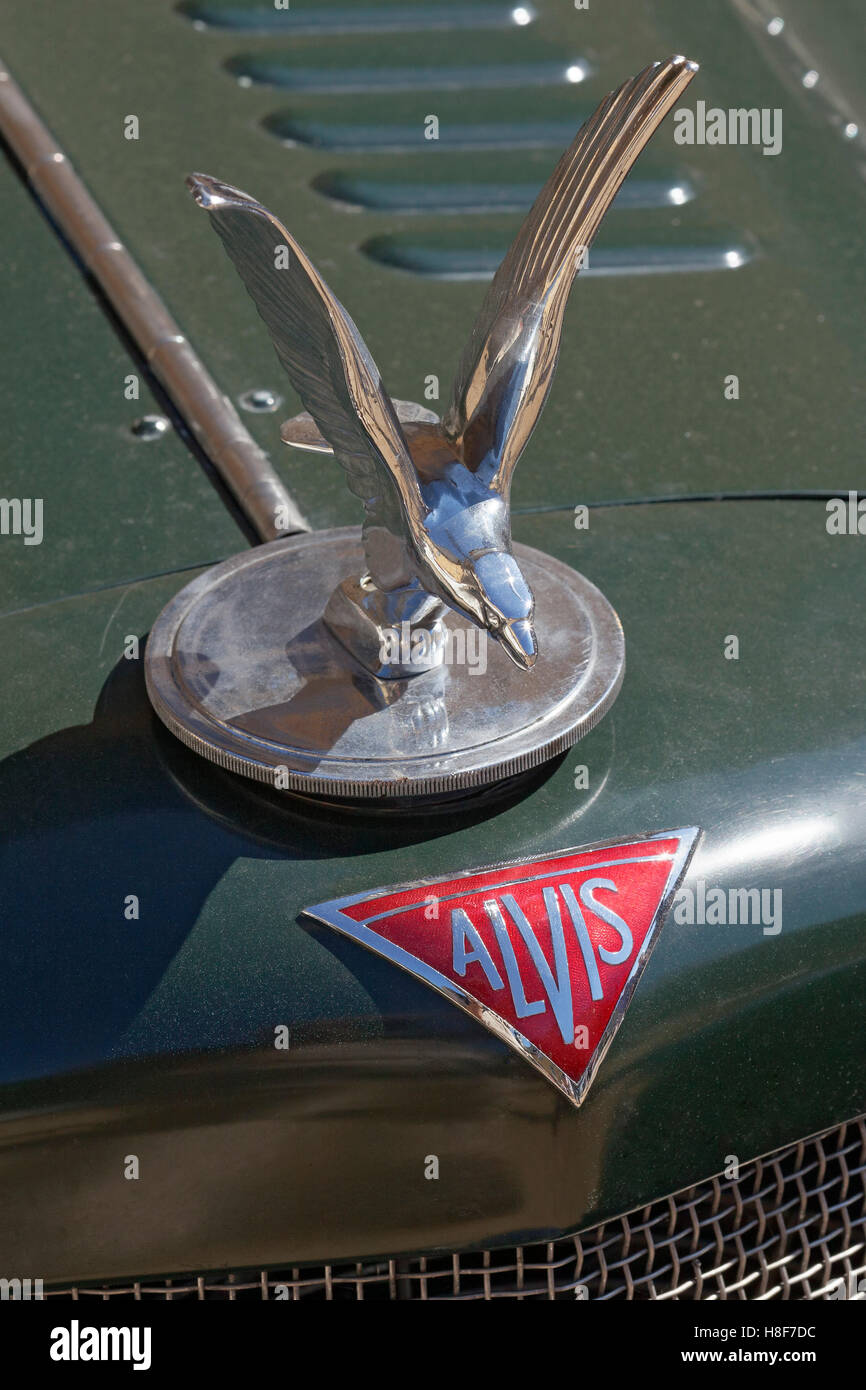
(546, 954)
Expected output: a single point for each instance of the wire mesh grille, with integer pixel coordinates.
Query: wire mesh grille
(791, 1226)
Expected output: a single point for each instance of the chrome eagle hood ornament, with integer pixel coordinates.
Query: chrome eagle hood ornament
(437, 495)
(281, 663)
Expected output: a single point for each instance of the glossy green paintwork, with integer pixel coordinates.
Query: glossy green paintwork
(114, 508)
(638, 406)
(155, 1036)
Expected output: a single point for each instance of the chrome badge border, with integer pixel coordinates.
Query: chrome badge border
(331, 914)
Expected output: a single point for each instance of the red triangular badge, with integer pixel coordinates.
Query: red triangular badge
(545, 952)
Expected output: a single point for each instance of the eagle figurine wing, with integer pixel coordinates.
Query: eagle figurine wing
(323, 355)
(507, 367)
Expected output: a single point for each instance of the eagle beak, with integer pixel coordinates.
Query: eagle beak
(518, 639)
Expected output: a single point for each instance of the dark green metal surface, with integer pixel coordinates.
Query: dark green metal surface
(155, 1036)
(638, 406)
(114, 508)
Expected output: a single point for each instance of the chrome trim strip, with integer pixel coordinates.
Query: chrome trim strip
(350, 899)
(207, 412)
(517, 882)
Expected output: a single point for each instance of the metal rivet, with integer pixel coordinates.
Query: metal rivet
(150, 427)
(260, 401)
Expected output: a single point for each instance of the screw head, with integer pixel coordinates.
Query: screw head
(150, 427)
(260, 401)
